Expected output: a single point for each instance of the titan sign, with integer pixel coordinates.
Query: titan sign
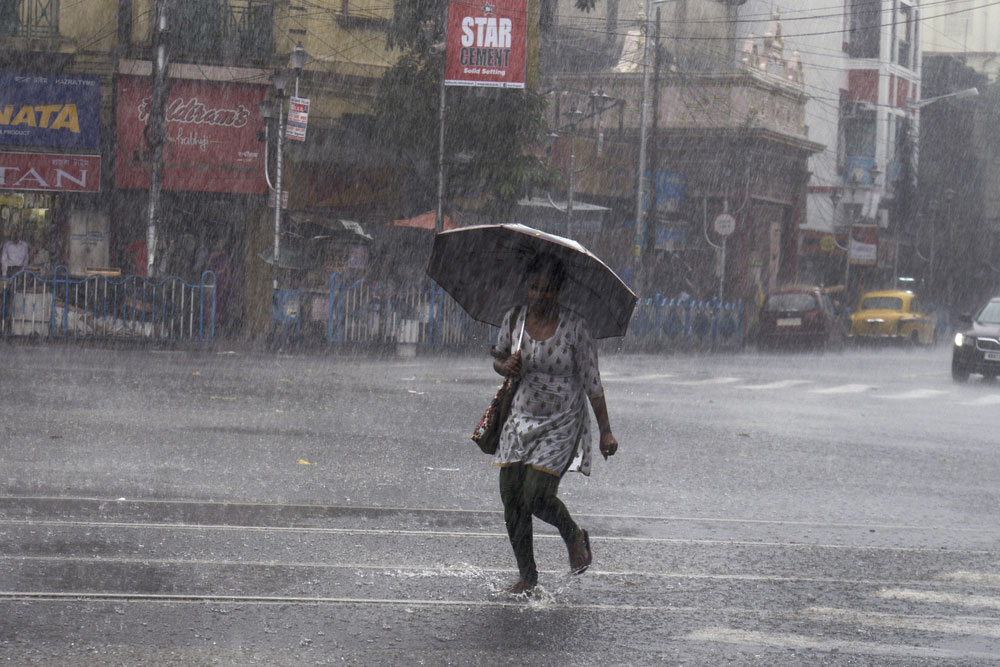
(212, 143)
(50, 173)
(487, 44)
(46, 110)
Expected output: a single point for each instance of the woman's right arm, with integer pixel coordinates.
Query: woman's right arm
(508, 366)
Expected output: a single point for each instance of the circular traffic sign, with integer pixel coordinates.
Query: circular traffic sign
(724, 224)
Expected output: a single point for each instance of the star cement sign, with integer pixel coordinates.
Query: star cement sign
(487, 43)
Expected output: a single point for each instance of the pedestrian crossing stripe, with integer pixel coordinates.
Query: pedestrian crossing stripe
(916, 393)
(780, 384)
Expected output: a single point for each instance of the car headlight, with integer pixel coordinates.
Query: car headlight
(959, 340)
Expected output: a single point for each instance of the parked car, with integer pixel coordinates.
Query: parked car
(799, 317)
(977, 349)
(892, 315)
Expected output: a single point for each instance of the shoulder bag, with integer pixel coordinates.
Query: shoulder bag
(487, 433)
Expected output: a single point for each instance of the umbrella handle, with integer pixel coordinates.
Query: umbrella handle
(520, 335)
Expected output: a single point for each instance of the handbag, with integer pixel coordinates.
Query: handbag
(487, 433)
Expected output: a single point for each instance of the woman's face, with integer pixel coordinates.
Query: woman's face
(542, 294)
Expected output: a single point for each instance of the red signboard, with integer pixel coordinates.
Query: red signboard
(486, 43)
(49, 172)
(212, 136)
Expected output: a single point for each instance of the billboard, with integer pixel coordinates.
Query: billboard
(212, 136)
(487, 43)
(62, 111)
(49, 172)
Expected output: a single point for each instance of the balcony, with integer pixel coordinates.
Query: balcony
(224, 31)
(29, 19)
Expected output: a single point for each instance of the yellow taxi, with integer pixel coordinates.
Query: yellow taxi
(891, 315)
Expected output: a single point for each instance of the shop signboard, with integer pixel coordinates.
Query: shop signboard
(61, 111)
(50, 172)
(864, 245)
(487, 44)
(212, 136)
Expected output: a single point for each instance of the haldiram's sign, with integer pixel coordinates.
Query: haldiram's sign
(487, 43)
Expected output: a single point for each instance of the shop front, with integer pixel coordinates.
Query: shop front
(213, 184)
(50, 171)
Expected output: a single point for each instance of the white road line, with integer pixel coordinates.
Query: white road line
(638, 378)
(915, 393)
(957, 599)
(799, 642)
(981, 627)
(704, 383)
(980, 578)
(780, 384)
(992, 399)
(844, 389)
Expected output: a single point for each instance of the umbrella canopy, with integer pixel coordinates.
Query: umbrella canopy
(483, 269)
(423, 221)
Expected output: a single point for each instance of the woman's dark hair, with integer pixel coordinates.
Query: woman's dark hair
(547, 264)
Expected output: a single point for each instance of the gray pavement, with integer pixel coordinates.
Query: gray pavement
(161, 508)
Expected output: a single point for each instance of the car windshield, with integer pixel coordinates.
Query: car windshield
(990, 314)
(796, 302)
(882, 303)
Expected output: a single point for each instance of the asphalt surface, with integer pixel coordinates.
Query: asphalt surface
(182, 508)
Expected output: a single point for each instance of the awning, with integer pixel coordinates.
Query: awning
(423, 221)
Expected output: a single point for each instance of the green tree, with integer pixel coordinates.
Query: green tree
(489, 132)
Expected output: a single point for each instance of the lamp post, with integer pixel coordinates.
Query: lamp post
(574, 117)
(296, 61)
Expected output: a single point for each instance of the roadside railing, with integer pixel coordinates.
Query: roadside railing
(425, 315)
(99, 306)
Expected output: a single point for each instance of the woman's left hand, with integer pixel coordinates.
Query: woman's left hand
(609, 445)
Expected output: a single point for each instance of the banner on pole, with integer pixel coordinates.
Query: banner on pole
(298, 118)
(486, 43)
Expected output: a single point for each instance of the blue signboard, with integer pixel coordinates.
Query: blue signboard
(62, 110)
(671, 190)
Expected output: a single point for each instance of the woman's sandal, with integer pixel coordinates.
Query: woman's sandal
(580, 556)
(520, 587)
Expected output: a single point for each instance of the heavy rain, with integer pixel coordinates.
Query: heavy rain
(522, 332)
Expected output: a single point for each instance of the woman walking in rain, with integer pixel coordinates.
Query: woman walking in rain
(548, 432)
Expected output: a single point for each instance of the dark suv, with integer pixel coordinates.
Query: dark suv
(800, 317)
(977, 349)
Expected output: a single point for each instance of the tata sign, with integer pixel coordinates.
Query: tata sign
(47, 172)
(211, 143)
(45, 110)
(487, 43)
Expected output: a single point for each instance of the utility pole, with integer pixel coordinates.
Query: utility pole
(157, 127)
(640, 222)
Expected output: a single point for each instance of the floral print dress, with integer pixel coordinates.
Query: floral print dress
(549, 427)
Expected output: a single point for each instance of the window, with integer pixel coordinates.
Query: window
(864, 28)
(29, 18)
(859, 131)
(882, 303)
(220, 28)
(906, 28)
(791, 303)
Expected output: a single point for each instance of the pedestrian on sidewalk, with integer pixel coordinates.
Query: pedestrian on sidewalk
(548, 432)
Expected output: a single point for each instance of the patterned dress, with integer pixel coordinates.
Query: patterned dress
(549, 425)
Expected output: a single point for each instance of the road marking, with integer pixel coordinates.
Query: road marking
(915, 393)
(799, 643)
(637, 378)
(492, 535)
(780, 384)
(958, 626)
(705, 383)
(957, 599)
(844, 389)
(981, 578)
(992, 399)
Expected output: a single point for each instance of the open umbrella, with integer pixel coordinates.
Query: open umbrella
(483, 269)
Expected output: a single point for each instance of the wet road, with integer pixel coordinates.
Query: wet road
(172, 508)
